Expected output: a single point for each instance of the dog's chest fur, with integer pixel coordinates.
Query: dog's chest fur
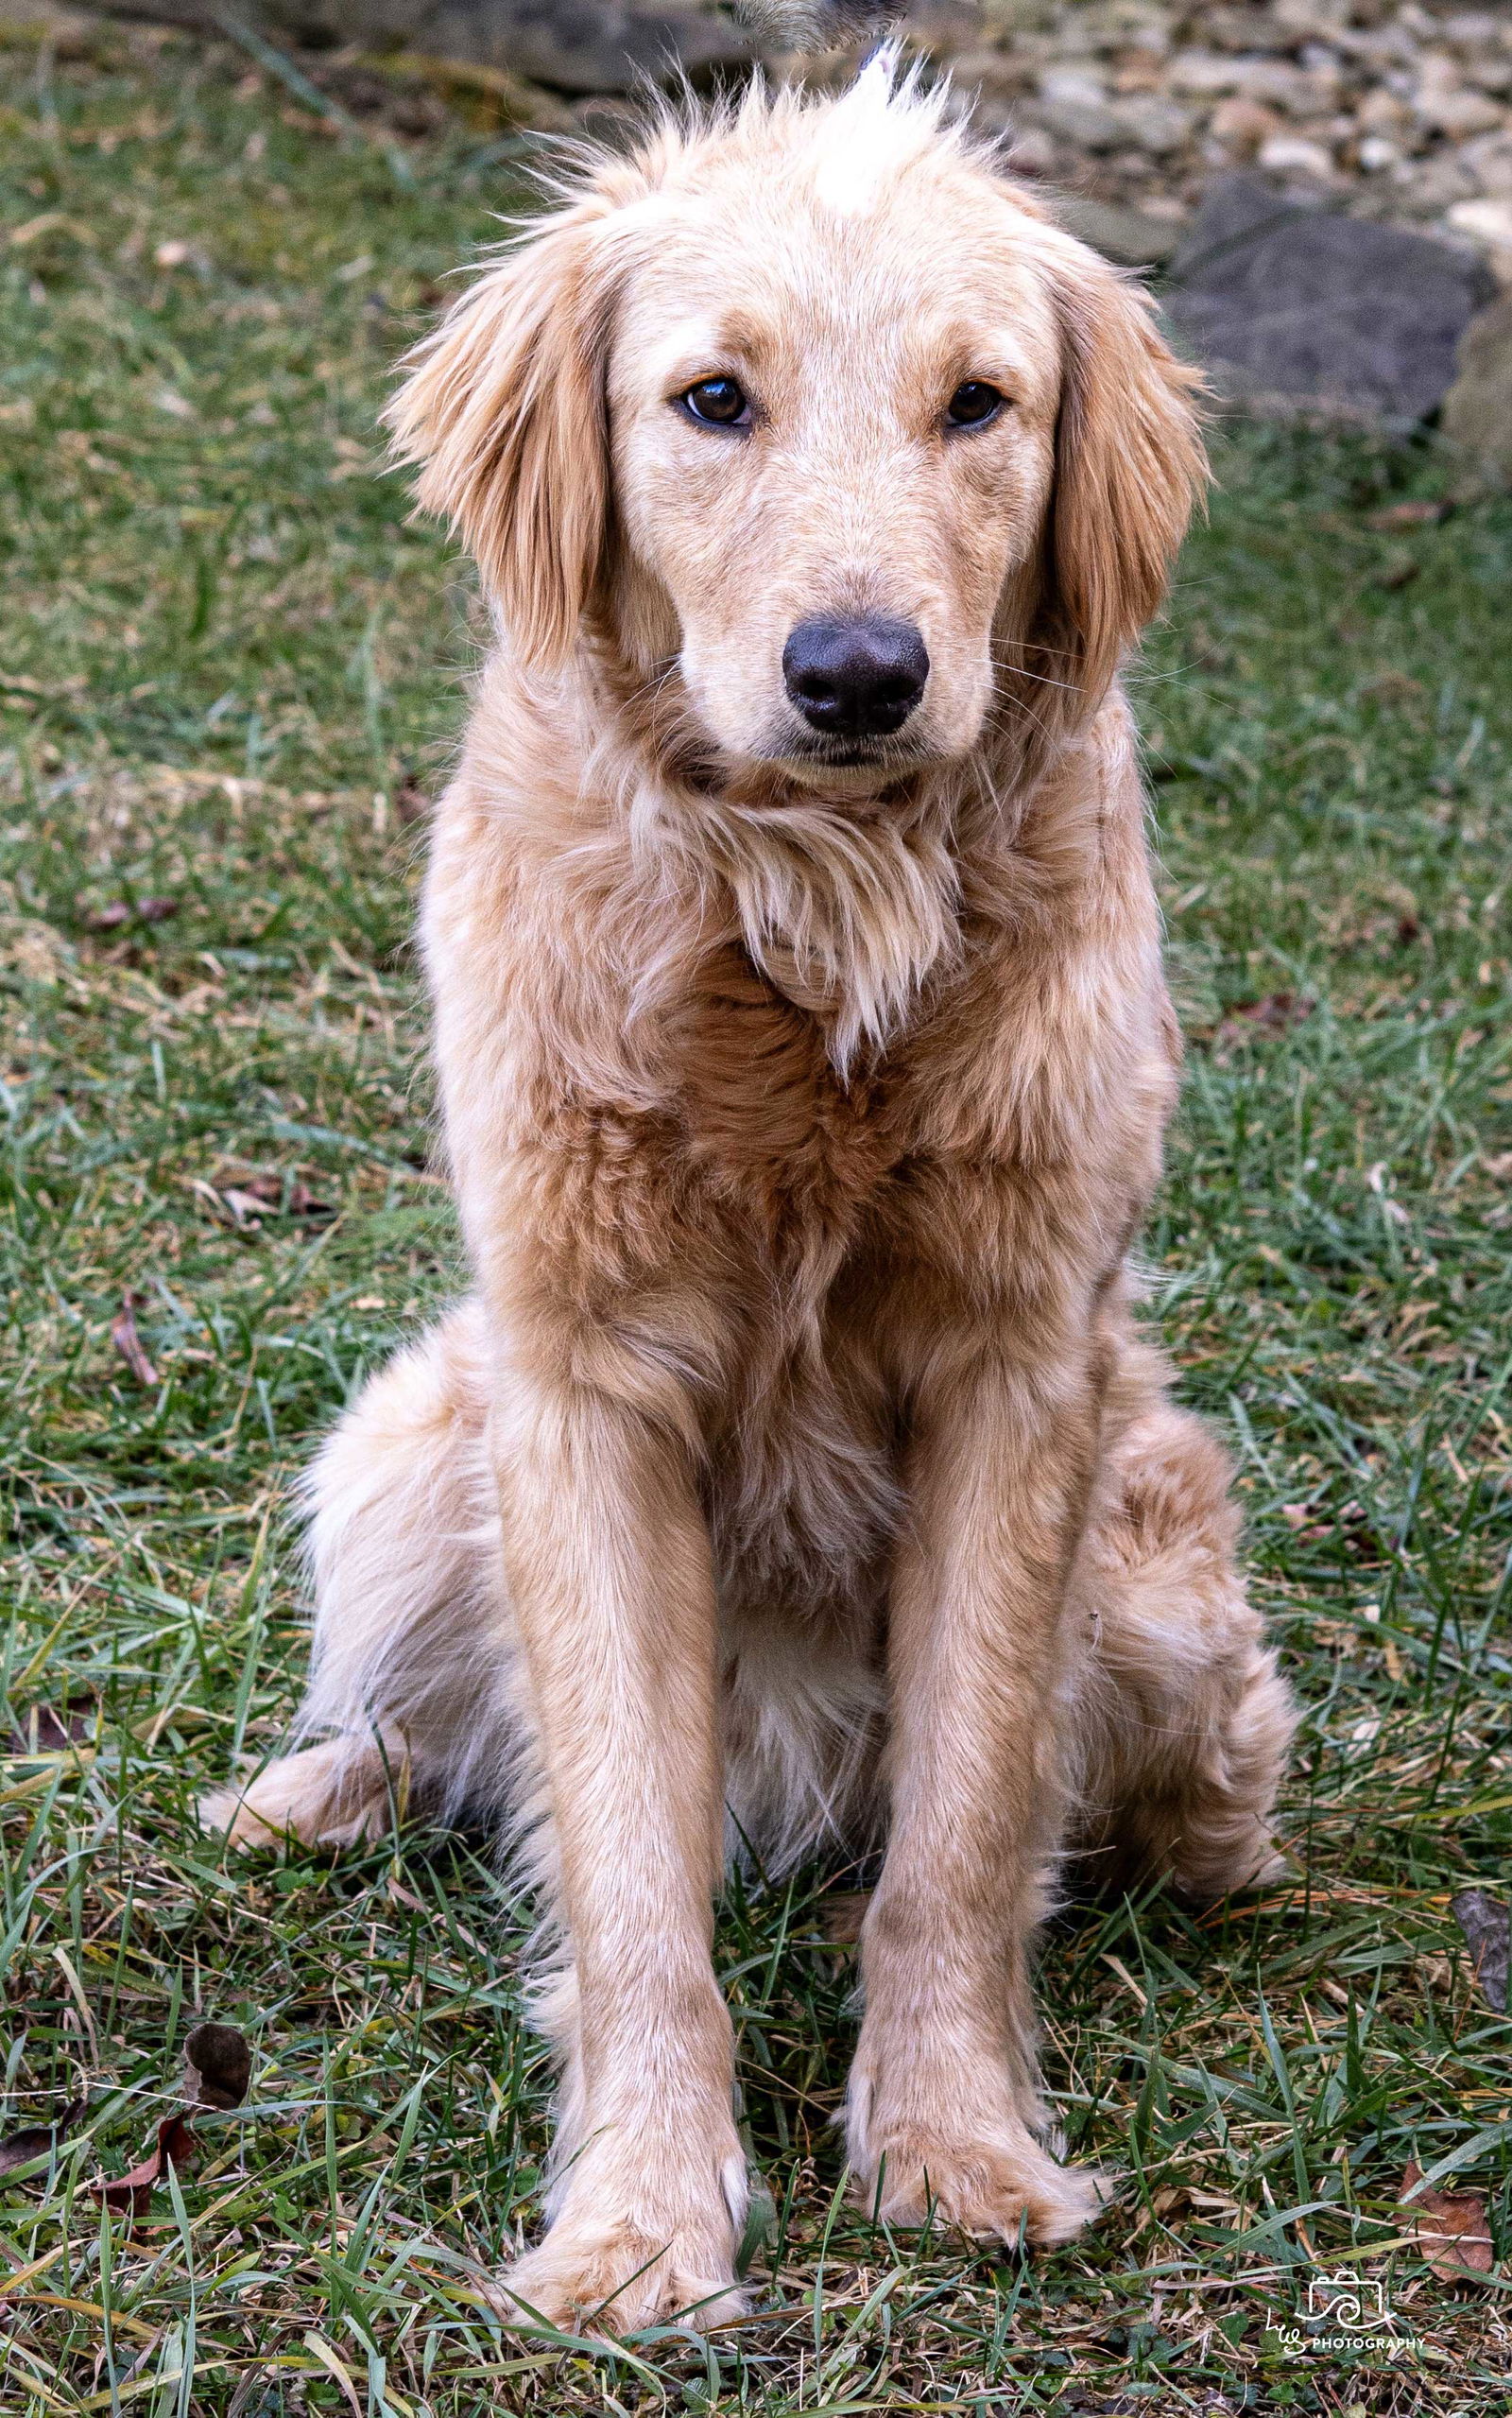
(796, 1150)
(806, 1167)
(802, 1485)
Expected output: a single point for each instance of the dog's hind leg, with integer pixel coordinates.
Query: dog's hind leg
(1184, 1720)
(411, 1685)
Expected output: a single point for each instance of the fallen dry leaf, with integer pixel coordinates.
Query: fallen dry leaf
(1392, 688)
(289, 1195)
(119, 910)
(1307, 1530)
(19, 2149)
(217, 2065)
(1278, 1010)
(1416, 513)
(251, 1198)
(217, 2069)
(246, 1208)
(1275, 1012)
(35, 2140)
(174, 2147)
(128, 1343)
(1453, 2229)
(48, 1729)
(1487, 1929)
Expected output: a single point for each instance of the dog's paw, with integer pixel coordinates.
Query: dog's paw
(1248, 1861)
(587, 2278)
(953, 2139)
(1001, 2187)
(326, 1797)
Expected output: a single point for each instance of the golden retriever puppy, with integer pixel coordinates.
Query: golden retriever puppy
(793, 1471)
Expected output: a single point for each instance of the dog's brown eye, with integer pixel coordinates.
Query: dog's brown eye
(719, 401)
(972, 405)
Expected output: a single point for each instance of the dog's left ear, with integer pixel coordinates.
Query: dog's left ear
(1130, 468)
(504, 410)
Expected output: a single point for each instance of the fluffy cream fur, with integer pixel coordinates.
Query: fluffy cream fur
(793, 1471)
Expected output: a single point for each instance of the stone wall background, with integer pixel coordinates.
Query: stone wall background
(1323, 187)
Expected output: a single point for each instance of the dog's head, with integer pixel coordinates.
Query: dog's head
(808, 408)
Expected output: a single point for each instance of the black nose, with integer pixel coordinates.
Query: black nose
(855, 679)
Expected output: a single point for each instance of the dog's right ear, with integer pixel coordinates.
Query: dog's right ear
(504, 410)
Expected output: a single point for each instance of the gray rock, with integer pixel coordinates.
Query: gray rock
(1292, 304)
(1153, 124)
(1073, 102)
(1477, 416)
(573, 46)
(1131, 237)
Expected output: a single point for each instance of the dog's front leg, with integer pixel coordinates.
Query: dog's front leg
(942, 2105)
(609, 1564)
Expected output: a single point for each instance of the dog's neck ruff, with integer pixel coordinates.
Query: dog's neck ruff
(849, 914)
(851, 908)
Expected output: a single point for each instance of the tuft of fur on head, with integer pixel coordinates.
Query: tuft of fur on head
(502, 409)
(503, 412)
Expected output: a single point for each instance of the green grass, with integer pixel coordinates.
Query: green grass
(228, 669)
